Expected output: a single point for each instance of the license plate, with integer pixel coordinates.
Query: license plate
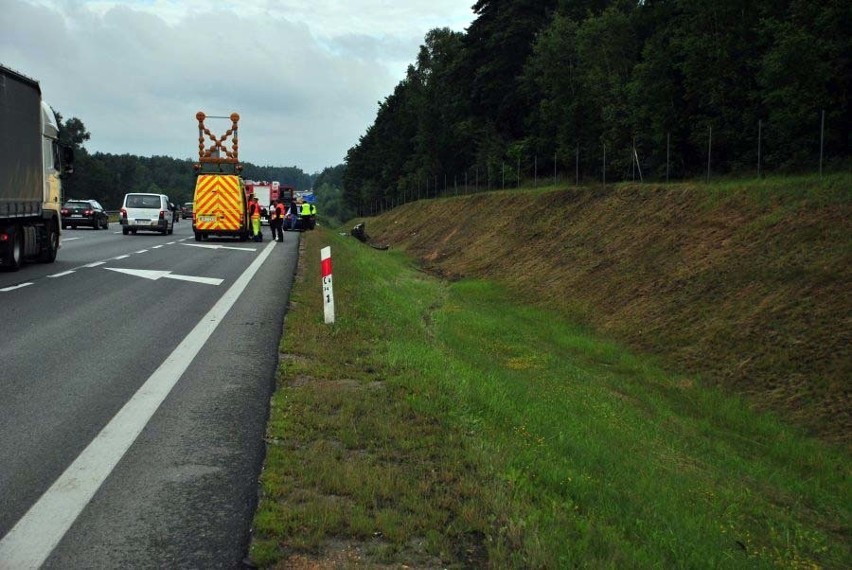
(143, 222)
(76, 216)
(207, 219)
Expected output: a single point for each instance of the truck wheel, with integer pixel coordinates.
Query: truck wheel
(197, 236)
(13, 258)
(48, 255)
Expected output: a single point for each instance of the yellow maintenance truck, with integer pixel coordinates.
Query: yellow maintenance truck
(219, 206)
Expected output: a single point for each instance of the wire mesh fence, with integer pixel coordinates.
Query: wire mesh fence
(659, 159)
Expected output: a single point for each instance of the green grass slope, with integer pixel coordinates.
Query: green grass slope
(446, 424)
(746, 285)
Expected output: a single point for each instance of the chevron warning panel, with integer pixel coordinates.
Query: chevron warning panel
(218, 205)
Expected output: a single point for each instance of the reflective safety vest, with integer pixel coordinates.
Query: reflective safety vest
(306, 209)
(279, 210)
(313, 209)
(254, 210)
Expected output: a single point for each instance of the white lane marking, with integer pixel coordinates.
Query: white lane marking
(208, 280)
(153, 275)
(34, 537)
(13, 287)
(220, 247)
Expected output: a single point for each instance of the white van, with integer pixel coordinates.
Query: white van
(150, 212)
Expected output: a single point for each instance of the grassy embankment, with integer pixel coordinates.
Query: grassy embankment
(461, 423)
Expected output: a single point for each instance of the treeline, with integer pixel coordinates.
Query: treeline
(653, 88)
(108, 177)
(328, 188)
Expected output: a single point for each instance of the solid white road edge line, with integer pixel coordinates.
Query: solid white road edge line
(34, 537)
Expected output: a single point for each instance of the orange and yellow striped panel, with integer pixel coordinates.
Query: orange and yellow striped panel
(218, 204)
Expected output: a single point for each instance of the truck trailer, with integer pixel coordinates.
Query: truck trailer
(31, 162)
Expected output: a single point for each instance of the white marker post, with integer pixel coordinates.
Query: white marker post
(327, 291)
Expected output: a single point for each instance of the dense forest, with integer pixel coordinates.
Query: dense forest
(108, 177)
(328, 188)
(611, 90)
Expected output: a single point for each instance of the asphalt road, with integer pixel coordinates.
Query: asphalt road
(135, 376)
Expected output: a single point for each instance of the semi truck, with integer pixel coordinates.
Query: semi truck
(31, 164)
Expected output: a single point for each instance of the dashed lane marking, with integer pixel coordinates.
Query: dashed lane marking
(13, 287)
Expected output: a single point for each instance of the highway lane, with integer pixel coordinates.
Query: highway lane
(83, 334)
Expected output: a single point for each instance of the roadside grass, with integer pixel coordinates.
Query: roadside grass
(743, 282)
(445, 424)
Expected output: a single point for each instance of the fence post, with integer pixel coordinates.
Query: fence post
(821, 139)
(577, 165)
(668, 147)
(638, 166)
(632, 163)
(709, 148)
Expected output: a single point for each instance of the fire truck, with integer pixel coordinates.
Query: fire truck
(267, 191)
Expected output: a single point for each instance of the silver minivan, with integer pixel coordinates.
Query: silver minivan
(149, 212)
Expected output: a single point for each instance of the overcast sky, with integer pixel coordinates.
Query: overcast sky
(306, 76)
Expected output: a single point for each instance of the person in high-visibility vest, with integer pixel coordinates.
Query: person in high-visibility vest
(305, 212)
(254, 215)
(313, 215)
(276, 220)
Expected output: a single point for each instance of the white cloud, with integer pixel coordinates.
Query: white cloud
(305, 77)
